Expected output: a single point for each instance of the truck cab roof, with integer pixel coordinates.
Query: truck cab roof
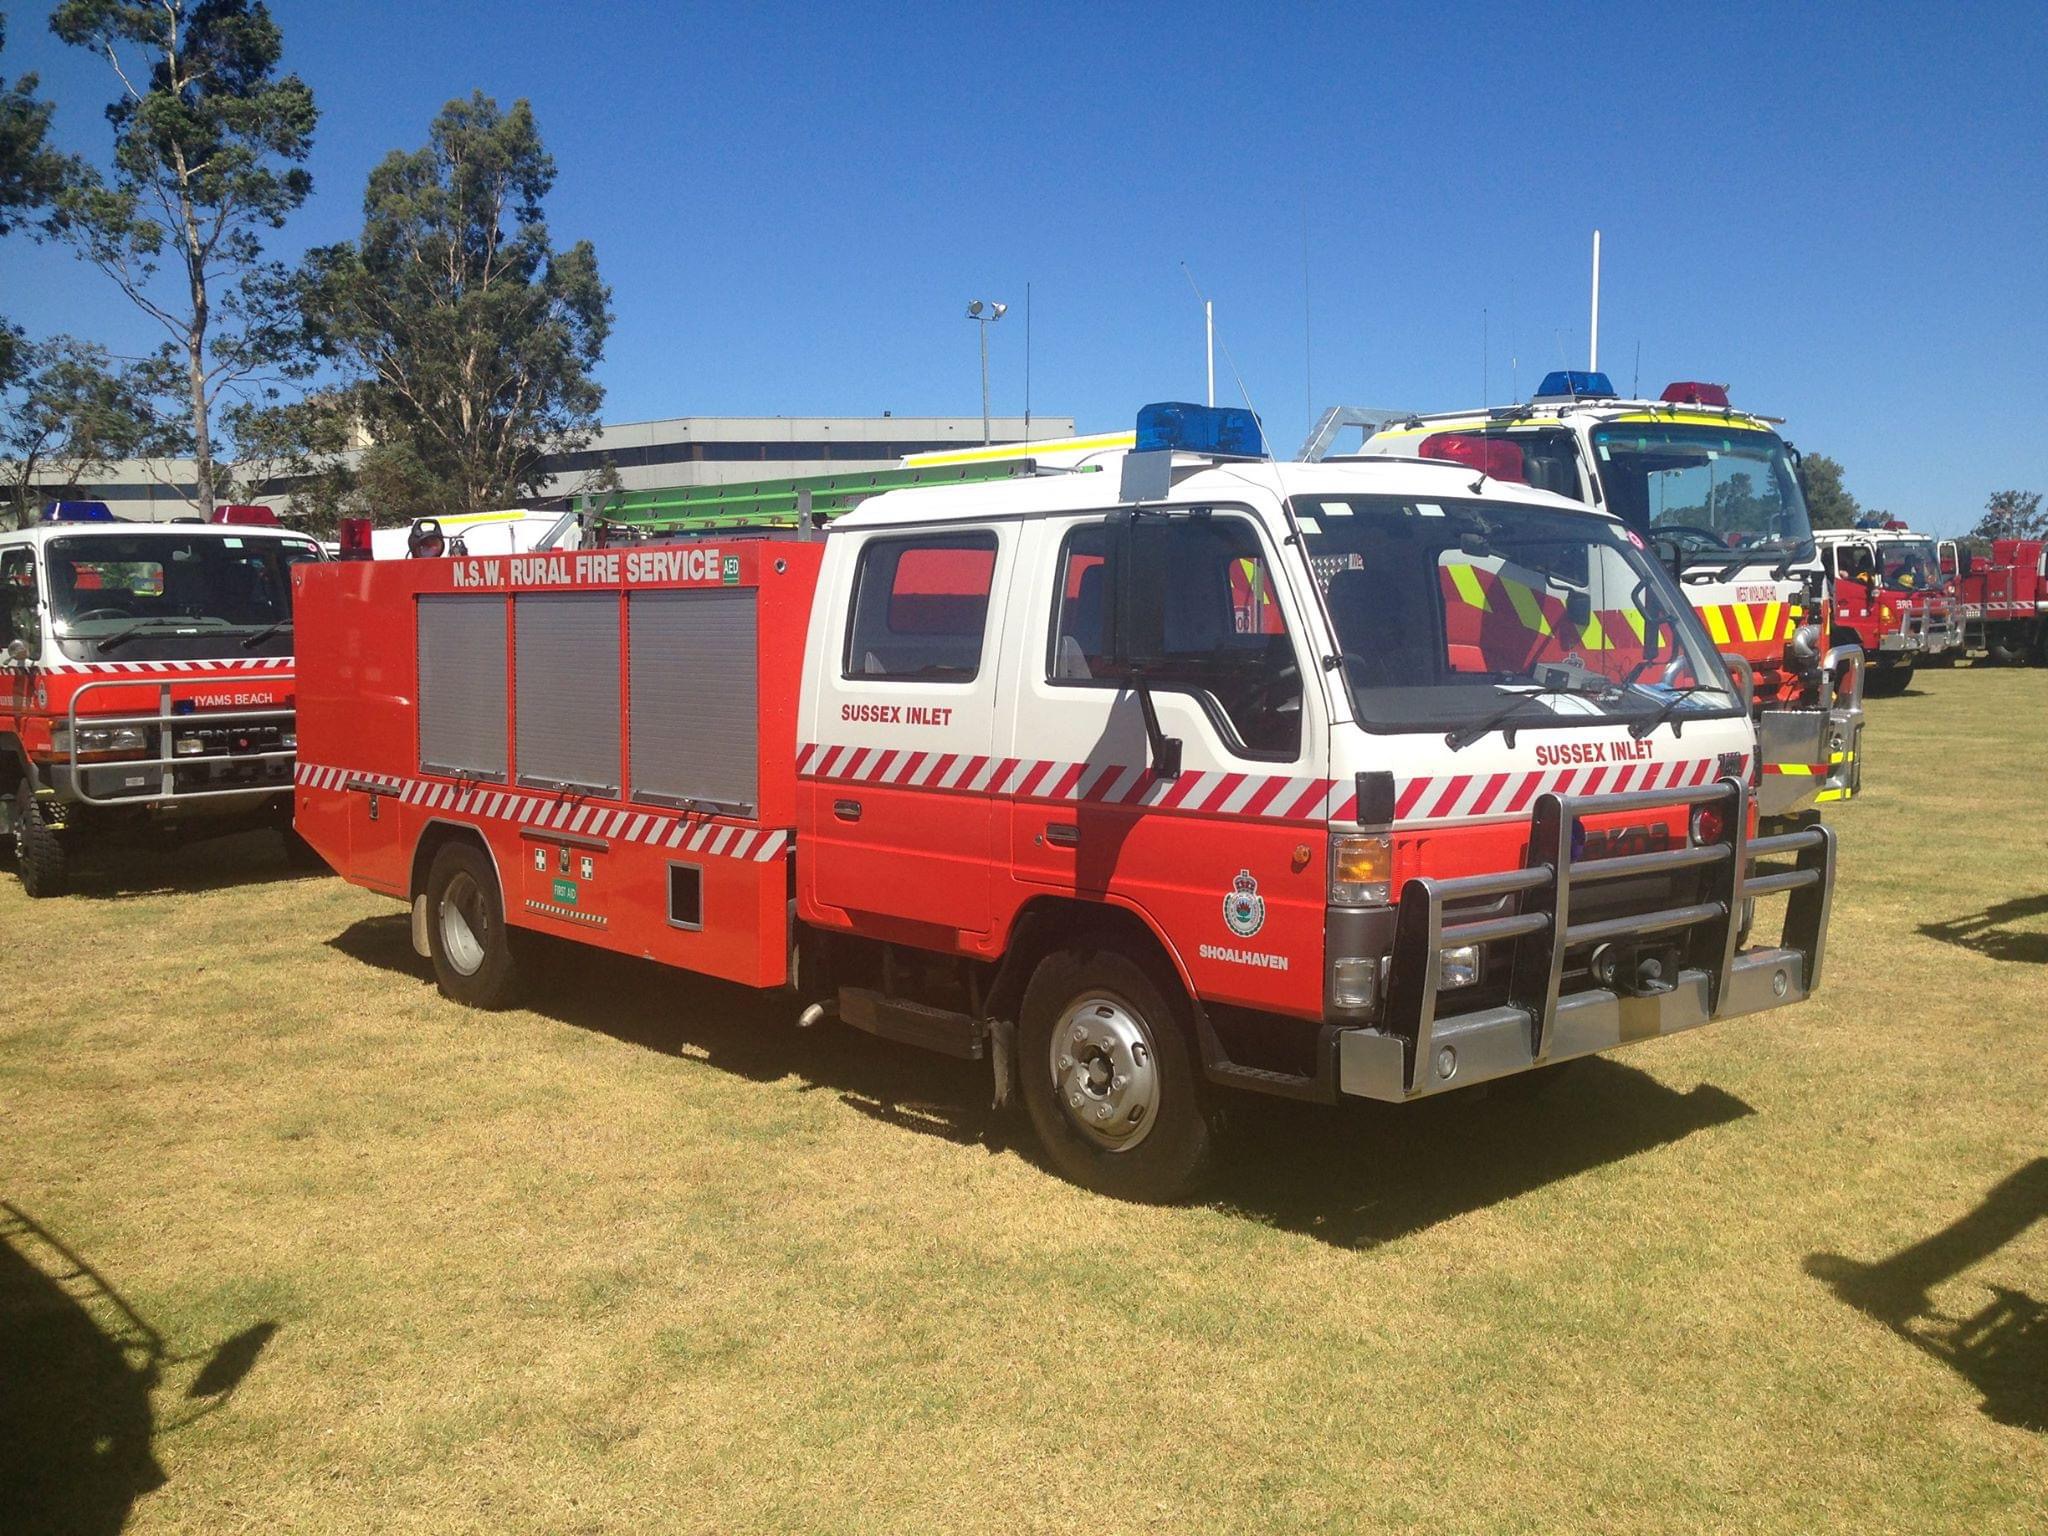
(41, 533)
(1197, 479)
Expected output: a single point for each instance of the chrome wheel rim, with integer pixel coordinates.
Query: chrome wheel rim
(1105, 1071)
(464, 919)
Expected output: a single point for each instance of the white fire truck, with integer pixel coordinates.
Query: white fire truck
(145, 681)
(1717, 493)
(1887, 592)
(1174, 771)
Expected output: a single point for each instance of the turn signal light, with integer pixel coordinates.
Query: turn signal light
(1361, 869)
(1709, 825)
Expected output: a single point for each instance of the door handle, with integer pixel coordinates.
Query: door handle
(1064, 833)
(846, 810)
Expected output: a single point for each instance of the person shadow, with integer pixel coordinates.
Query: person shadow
(1994, 932)
(79, 1371)
(2001, 1348)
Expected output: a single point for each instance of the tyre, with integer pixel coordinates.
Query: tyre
(1888, 682)
(472, 950)
(1111, 1084)
(40, 857)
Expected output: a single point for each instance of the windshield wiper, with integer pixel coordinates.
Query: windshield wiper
(1643, 727)
(265, 633)
(1465, 735)
(123, 636)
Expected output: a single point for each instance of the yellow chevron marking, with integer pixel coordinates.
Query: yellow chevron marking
(1527, 609)
(1596, 637)
(1466, 580)
(1635, 621)
(1717, 623)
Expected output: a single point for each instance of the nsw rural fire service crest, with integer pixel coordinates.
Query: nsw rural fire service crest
(1244, 909)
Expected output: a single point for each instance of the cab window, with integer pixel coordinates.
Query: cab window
(1204, 619)
(920, 608)
(18, 618)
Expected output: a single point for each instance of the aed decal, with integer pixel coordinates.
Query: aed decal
(1563, 752)
(637, 567)
(897, 714)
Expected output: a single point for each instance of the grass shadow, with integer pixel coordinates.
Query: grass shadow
(1352, 1175)
(149, 867)
(1991, 932)
(2001, 1349)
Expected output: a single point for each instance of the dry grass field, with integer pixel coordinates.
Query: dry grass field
(290, 1244)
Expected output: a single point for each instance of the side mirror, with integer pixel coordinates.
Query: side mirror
(1670, 556)
(1578, 607)
(17, 651)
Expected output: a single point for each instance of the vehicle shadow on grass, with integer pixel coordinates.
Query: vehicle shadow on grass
(1363, 1174)
(2001, 1349)
(143, 869)
(1991, 932)
(736, 1029)
(1353, 1175)
(78, 1367)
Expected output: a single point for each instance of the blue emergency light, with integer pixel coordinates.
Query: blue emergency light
(78, 512)
(1228, 431)
(1574, 384)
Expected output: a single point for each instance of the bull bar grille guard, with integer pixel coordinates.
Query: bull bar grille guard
(166, 721)
(1716, 979)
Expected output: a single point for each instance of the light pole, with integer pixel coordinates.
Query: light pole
(984, 315)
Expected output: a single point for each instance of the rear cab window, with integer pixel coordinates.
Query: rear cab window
(920, 608)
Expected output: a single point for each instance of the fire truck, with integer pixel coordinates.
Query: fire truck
(1888, 594)
(147, 681)
(1170, 772)
(1716, 491)
(2001, 602)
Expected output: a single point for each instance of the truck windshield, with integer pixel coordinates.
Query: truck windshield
(1909, 565)
(1445, 611)
(165, 595)
(1724, 495)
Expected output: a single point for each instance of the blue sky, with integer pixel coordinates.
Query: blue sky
(1841, 211)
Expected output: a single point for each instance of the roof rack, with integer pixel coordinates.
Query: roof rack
(805, 501)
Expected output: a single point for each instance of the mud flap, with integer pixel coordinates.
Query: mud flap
(421, 946)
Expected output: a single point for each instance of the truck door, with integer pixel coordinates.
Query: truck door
(21, 619)
(1227, 858)
(899, 775)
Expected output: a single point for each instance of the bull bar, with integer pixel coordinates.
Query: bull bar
(165, 721)
(1417, 1050)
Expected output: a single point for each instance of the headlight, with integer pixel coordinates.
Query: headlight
(1457, 966)
(189, 746)
(1361, 869)
(101, 738)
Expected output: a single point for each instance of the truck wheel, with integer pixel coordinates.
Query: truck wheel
(40, 857)
(1888, 682)
(472, 950)
(1111, 1085)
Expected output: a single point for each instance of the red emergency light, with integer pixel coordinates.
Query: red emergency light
(1693, 392)
(245, 516)
(1492, 456)
(355, 538)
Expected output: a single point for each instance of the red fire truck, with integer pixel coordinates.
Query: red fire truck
(1887, 594)
(146, 683)
(2001, 601)
(1176, 771)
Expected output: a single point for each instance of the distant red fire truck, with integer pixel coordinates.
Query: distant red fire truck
(1174, 771)
(1887, 593)
(146, 681)
(2002, 599)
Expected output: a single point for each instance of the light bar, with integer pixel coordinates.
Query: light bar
(1693, 392)
(245, 516)
(1574, 384)
(1226, 431)
(78, 512)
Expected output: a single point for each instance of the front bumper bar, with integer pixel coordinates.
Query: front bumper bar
(1416, 1050)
